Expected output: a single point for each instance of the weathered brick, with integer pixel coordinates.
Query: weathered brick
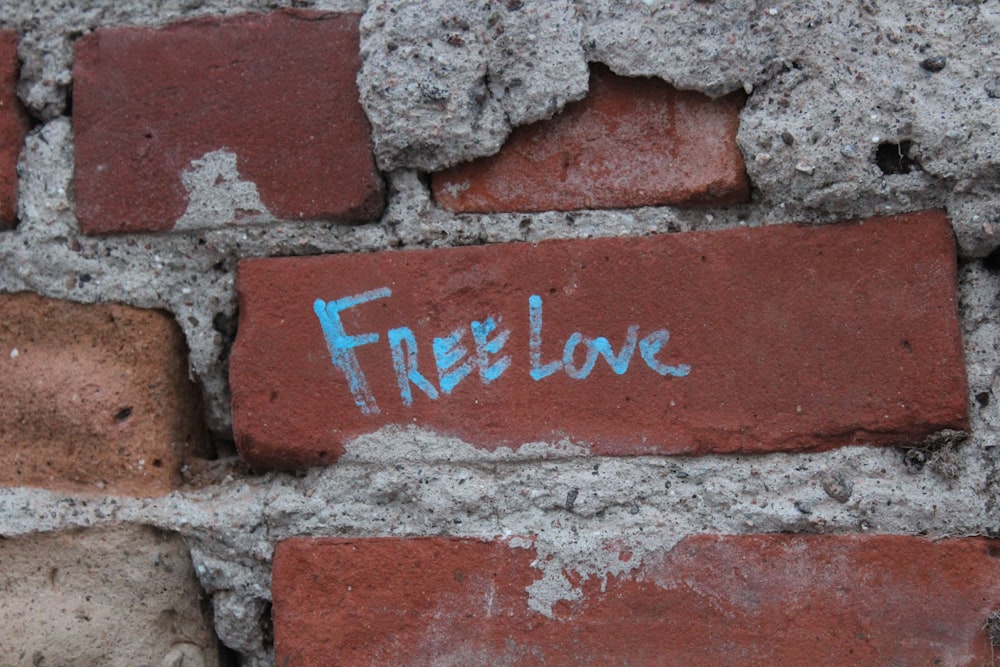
(119, 596)
(630, 142)
(95, 397)
(14, 123)
(151, 106)
(711, 600)
(779, 338)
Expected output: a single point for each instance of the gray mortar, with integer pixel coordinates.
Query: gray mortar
(444, 81)
(811, 74)
(407, 483)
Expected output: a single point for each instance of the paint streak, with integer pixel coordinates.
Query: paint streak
(341, 346)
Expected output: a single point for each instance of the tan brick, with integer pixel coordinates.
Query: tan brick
(101, 598)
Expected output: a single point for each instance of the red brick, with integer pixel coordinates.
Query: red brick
(278, 90)
(711, 600)
(94, 397)
(797, 338)
(630, 142)
(14, 124)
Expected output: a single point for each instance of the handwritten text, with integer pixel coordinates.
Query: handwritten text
(476, 349)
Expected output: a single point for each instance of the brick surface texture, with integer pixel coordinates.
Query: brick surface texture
(14, 123)
(278, 90)
(711, 600)
(109, 597)
(780, 338)
(644, 142)
(96, 397)
(478, 410)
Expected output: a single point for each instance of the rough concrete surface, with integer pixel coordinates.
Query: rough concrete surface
(125, 595)
(821, 103)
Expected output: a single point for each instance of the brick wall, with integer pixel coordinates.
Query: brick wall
(544, 333)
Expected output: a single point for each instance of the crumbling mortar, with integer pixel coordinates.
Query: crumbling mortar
(789, 67)
(715, 494)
